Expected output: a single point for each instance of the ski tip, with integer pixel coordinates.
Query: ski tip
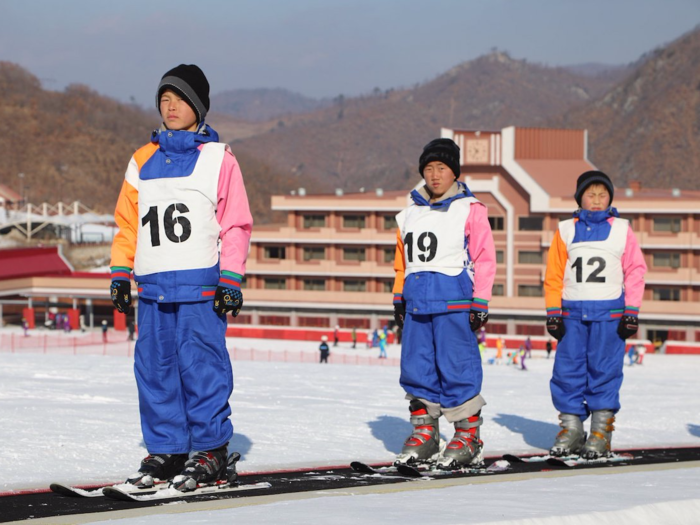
(115, 493)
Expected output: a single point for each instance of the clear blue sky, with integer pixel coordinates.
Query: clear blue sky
(320, 48)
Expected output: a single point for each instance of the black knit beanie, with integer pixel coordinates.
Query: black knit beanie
(189, 82)
(593, 177)
(442, 150)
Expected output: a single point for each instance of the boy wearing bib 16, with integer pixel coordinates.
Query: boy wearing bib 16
(593, 290)
(445, 266)
(184, 229)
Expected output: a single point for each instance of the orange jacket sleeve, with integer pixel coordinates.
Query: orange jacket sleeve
(554, 276)
(126, 214)
(399, 265)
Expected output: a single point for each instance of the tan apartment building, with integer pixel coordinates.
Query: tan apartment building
(332, 262)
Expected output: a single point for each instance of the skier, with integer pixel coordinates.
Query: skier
(323, 348)
(184, 229)
(382, 345)
(445, 266)
(593, 290)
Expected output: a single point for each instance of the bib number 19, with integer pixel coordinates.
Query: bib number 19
(427, 244)
(169, 222)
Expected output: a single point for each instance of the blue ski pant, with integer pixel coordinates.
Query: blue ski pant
(184, 377)
(588, 367)
(440, 359)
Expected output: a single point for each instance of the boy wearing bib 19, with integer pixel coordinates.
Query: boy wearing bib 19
(593, 290)
(445, 266)
(184, 229)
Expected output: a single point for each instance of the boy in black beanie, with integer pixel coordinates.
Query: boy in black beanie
(445, 266)
(593, 290)
(182, 198)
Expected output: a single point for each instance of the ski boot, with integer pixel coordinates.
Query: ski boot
(570, 438)
(598, 442)
(465, 447)
(157, 467)
(203, 468)
(424, 442)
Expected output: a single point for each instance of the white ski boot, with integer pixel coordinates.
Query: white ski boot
(424, 441)
(466, 447)
(570, 438)
(598, 442)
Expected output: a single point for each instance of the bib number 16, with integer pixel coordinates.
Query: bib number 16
(169, 222)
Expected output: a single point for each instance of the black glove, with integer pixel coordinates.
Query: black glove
(628, 326)
(399, 313)
(228, 299)
(477, 319)
(555, 327)
(120, 292)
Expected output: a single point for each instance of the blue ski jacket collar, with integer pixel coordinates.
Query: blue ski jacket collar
(462, 193)
(594, 217)
(170, 141)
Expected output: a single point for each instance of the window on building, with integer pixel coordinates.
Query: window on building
(390, 222)
(386, 285)
(274, 320)
(354, 285)
(496, 223)
(353, 322)
(275, 252)
(530, 290)
(530, 224)
(240, 319)
(314, 221)
(529, 329)
(498, 289)
(354, 254)
(500, 256)
(498, 328)
(319, 322)
(666, 294)
(244, 282)
(314, 284)
(275, 283)
(530, 257)
(667, 260)
(353, 221)
(667, 224)
(389, 254)
(314, 253)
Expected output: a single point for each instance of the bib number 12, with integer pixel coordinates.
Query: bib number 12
(594, 276)
(169, 222)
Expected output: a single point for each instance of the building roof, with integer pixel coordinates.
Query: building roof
(556, 177)
(32, 262)
(8, 194)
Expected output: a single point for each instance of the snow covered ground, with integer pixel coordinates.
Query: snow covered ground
(75, 419)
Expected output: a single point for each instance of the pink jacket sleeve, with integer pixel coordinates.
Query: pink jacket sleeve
(233, 215)
(633, 269)
(481, 250)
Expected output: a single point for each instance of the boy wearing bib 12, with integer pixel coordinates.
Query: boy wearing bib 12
(445, 266)
(593, 290)
(184, 229)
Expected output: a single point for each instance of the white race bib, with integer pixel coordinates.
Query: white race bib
(594, 268)
(434, 239)
(178, 229)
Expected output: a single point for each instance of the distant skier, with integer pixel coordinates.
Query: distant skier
(382, 345)
(445, 266)
(593, 290)
(323, 349)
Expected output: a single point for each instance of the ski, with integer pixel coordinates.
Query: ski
(576, 461)
(114, 492)
(411, 471)
(77, 492)
(364, 468)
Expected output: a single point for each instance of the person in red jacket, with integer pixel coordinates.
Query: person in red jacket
(445, 266)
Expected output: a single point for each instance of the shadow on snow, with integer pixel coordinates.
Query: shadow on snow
(535, 433)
